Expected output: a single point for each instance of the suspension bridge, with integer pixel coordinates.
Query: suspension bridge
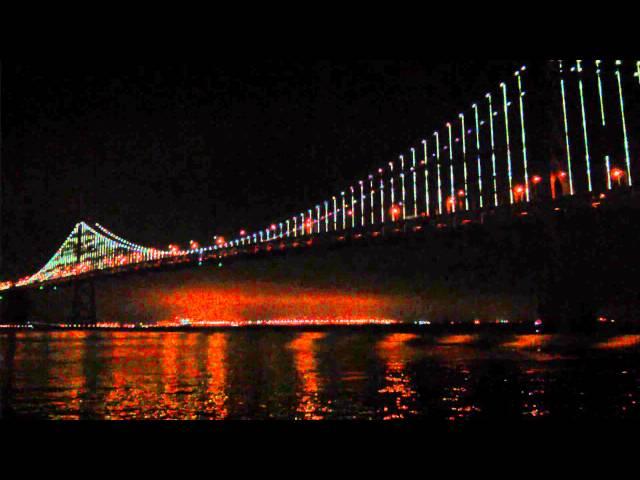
(554, 135)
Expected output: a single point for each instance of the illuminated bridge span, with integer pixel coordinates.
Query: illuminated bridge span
(559, 129)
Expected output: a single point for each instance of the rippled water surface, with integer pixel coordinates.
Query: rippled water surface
(338, 374)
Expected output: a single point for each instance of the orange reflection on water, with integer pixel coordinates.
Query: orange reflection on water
(216, 401)
(621, 341)
(457, 339)
(66, 369)
(180, 375)
(534, 392)
(457, 396)
(304, 348)
(528, 341)
(393, 350)
(260, 300)
(125, 375)
(159, 376)
(136, 376)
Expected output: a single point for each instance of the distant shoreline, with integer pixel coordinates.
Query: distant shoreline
(487, 328)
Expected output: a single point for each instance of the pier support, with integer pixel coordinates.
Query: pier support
(83, 307)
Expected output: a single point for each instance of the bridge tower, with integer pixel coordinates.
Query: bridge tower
(83, 306)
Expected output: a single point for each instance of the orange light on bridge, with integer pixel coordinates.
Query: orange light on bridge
(461, 193)
(518, 191)
(243, 232)
(617, 175)
(394, 211)
(536, 179)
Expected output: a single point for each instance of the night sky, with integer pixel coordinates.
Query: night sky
(163, 153)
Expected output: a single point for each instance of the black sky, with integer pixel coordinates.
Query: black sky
(167, 153)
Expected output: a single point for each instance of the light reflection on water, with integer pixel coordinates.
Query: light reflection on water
(304, 347)
(335, 374)
(621, 341)
(398, 387)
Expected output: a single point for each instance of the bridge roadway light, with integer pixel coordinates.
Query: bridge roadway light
(353, 208)
(587, 157)
(361, 202)
(371, 194)
(505, 106)
(439, 181)
(451, 176)
(493, 151)
(403, 202)
(295, 227)
(335, 214)
(326, 216)
(523, 135)
(475, 114)
(600, 93)
(391, 188)
(318, 218)
(566, 127)
(426, 177)
(344, 211)
(381, 200)
(624, 124)
(607, 164)
(415, 192)
(463, 133)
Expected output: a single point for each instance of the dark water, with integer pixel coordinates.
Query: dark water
(338, 374)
